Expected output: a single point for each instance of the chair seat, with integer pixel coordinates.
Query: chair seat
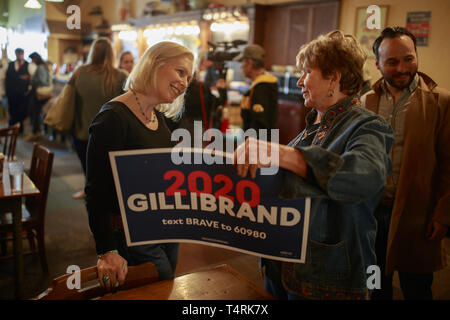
(29, 224)
(33, 212)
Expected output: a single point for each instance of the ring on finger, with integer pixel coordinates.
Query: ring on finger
(105, 278)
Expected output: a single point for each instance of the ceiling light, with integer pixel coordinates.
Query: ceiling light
(32, 4)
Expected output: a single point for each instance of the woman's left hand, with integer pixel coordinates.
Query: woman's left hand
(112, 270)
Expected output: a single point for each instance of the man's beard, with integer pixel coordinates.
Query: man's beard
(392, 81)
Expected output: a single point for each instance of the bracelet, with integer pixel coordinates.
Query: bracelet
(110, 251)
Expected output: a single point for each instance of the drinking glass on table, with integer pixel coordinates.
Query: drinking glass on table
(16, 169)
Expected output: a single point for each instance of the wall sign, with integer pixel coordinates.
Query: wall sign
(418, 23)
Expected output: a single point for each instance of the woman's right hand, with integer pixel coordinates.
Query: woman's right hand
(112, 270)
(254, 154)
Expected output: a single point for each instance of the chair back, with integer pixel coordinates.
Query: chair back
(40, 174)
(90, 288)
(8, 138)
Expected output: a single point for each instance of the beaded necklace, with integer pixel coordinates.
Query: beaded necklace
(153, 118)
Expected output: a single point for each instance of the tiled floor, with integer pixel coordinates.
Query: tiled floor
(69, 241)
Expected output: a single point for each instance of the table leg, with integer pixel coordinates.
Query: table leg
(16, 204)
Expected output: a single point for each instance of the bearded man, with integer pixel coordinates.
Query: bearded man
(414, 213)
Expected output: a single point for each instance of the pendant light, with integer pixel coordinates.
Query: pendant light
(32, 4)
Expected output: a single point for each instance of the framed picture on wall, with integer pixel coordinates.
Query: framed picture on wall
(418, 23)
(364, 23)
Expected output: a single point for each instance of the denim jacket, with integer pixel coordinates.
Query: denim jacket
(348, 162)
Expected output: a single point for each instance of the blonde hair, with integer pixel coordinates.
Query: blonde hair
(336, 52)
(143, 80)
(101, 61)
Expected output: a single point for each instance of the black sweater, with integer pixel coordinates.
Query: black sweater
(114, 128)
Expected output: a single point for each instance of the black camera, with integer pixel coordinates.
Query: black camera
(220, 51)
(221, 56)
(223, 52)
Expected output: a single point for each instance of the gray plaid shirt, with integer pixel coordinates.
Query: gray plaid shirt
(394, 113)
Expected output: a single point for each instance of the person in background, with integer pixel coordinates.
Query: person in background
(40, 78)
(414, 213)
(96, 82)
(340, 160)
(53, 134)
(4, 100)
(16, 86)
(126, 61)
(260, 104)
(201, 99)
(212, 75)
(134, 120)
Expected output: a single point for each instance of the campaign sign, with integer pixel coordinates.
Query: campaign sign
(161, 201)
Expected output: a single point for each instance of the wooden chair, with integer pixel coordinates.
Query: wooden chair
(8, 138)
(90, 288)
(33, 211)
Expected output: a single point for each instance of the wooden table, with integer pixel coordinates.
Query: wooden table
(12, 202)
(218, 283)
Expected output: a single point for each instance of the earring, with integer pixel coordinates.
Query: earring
(331, 92)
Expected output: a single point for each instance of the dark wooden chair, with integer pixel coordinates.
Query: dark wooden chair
(33, 211)
(8, 138)
(90, 288)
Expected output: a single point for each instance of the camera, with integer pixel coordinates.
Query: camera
(223, 52)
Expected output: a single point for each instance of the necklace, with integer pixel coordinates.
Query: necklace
(153, 118)
(309, 133)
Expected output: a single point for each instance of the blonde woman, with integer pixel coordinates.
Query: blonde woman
(134, 120)
(96, 82)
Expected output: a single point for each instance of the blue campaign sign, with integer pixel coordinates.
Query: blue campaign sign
(161, 201)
